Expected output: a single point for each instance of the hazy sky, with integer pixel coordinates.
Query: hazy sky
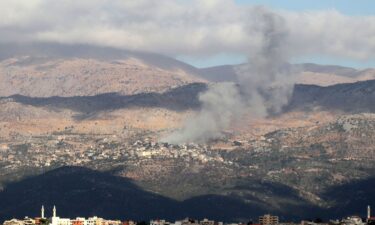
(202, 32)
(347, 7)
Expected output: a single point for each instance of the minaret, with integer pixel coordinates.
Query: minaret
(54, 211)
(368, 212)
(42, 212)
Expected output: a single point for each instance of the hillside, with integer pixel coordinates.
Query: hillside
(307, 73)
(105, 110)
(350, 98)
(77, 191)
(85, 70)
(309, 171)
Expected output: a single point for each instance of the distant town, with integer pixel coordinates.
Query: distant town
(266, 219)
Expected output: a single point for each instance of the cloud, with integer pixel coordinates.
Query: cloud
(332, 33)
(177, 27)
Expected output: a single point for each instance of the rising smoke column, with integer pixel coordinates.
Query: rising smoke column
(267, 80)
(264, 84)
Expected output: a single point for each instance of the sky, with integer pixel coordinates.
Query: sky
(202, 32)
(347, 7)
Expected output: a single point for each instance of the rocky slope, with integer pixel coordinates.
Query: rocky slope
(84, 71)
(307, 73)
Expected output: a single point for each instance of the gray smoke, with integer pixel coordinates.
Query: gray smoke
(221, 104)
(264, 84)
(267, 80)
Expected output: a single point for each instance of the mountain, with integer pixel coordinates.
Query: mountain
(78, 191)
(178, 99)
(307, 73)
(41, 52)
(330, 69)
(61, 70)
(351, 97)
(45, 70)
(224, 73)
(80, 128)
(290, 172)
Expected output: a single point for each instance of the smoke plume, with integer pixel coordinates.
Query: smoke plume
(221, 104)
(264, 84)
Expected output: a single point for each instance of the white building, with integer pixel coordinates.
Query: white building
(13, 222)
(159, 222)
(94, 221)
(55, 220)
(352, 220)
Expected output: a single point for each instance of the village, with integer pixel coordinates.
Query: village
(266, 219)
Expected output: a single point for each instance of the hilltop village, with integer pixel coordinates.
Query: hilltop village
(283, 156)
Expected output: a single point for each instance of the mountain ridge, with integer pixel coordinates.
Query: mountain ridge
(76, 191)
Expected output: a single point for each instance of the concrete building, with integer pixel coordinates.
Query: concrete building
(79, 221)
(13, 222)
(95, 221)
(28, 221)
(352, 220)
(368, 212)
(159, 222)
(111, 222)
(55, 220)
(304, 222)
(207, 222)
(370, 220)
(186, 221)
(268, 220)
(25, 221)
(129, 222)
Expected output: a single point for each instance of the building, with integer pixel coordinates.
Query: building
(268, 220)
(79, 221)
(304, 222)
(370, 220)
(352, 220)
(38, 220)
(55, 220)
(186, 221)
(28, 221)
(207, 222)
(13, 222)
(368, 212)
(129, 222)
(159, 222)
(111, 222)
